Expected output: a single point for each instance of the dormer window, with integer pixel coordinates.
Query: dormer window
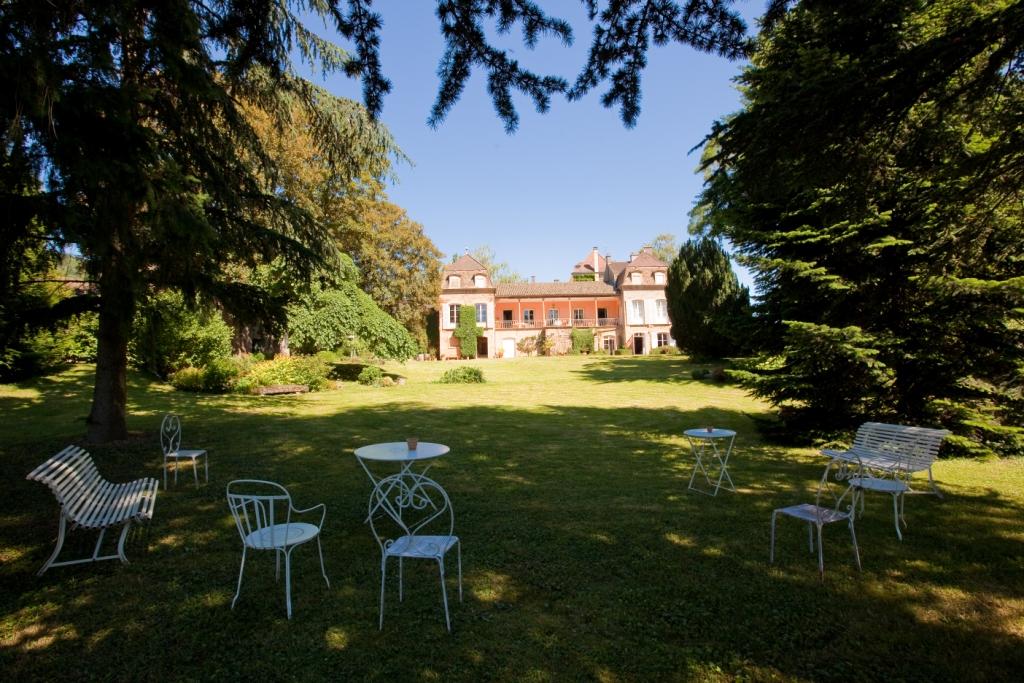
(479, 281)
(454, 281)
(659, 278)
(635, 278)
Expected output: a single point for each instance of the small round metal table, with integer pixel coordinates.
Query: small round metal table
(704, 444)
(399, 452)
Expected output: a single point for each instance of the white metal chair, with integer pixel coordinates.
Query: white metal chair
(892, 485)
(817, 516)
(170, 442)
(401, 508)
(259, 508)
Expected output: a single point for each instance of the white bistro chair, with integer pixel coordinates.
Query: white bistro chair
(401, 508)
(263, 514)
(891, 484)
(170, 442)
(817, 516)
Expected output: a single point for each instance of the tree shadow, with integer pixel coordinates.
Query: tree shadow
(646, 368)
(584, 557)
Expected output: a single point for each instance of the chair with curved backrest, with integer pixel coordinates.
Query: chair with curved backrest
(817, 516)
(170, 442)
(402, 507)
(263, 515)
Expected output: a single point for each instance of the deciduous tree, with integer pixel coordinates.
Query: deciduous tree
(500, 272)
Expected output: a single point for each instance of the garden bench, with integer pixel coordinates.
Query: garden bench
(89, 501)
(895, 450)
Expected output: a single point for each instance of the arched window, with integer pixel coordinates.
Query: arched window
(454, 281)
(635, 278)
(479, 281)
(659, 278)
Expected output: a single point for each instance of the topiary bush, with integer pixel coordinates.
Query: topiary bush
(463, 375)
(699, 373)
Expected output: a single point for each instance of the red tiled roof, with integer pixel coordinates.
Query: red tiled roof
(519, 289)
(647, 259)
(464, 263)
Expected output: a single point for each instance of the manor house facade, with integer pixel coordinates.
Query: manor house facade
(622, 302)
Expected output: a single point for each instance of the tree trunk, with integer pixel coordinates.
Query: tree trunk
(110, 392)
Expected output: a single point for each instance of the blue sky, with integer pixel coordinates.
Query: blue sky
(565, 181)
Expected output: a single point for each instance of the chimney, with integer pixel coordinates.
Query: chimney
(632, 255)
(595, 257)
(533, 278)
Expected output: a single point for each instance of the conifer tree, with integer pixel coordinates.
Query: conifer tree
(873, 182)
(706, 303)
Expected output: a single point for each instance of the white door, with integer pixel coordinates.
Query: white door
(508, 348)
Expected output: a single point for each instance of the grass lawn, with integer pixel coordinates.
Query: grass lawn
(584, 555)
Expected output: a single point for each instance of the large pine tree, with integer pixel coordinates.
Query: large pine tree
(873, 181)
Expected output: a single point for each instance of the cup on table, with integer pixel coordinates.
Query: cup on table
(412, 442)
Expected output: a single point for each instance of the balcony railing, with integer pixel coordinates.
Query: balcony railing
(557, 322)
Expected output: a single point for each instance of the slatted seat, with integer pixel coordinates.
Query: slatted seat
(89, 501)
(897, 450)
(883, 457)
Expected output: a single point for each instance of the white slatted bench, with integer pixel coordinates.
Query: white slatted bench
(883, 457)
(897, 450)
(89, 501)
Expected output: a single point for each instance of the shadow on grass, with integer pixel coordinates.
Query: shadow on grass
(646, 368)
(584, 557)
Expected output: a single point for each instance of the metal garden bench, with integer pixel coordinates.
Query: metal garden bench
(89, 501)
(883, 458)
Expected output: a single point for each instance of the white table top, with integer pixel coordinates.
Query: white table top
(398, 451)
(715, 433)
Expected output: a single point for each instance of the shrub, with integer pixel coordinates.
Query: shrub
(329, 356)
(219, 375)
(371, 374)
(385, 381)
(167, 335)
(718, 374)
(699, 373)
(308, 370)
(188, 379)
(463, 375)
(624, 351)
(582, 341)
(347, 319)
(544, 344)
(527, 346)
(667, 350)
